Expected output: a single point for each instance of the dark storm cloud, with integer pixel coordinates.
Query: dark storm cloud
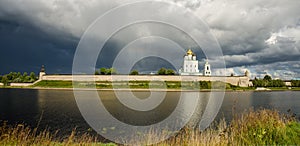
(141, 30)
(35, 32)
(25, 48)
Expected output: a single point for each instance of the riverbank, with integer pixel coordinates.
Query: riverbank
(203, 86)
(261, 127)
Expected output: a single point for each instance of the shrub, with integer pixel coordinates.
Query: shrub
(134, 72)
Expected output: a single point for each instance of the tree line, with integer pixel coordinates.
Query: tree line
(267, 81)
(106, 71)
(112, 71)
(296, 83)
(17, 77)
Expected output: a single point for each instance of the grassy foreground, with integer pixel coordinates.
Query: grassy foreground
(262, 127)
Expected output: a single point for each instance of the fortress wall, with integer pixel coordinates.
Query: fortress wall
(21, 84)
(242, 81)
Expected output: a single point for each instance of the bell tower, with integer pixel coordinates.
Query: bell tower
(207, 70)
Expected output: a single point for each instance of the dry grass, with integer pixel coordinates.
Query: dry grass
(21, 135)
(261, 127)
(211, 136)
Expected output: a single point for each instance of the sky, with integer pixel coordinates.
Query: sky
(260, 36)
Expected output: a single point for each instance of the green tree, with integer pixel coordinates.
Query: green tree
(32, 75)
(4, 80)
(17, 80)
(295, 83)
(170, 72)
(10, 76)
(111, 71)
(205, 84)
(162, 71)
(258, 83)
(134, 72)
(97, 72)
(277, 83)
(268, 78)
(19, 75)
(103, 71)
(25, 77)
(25, 74)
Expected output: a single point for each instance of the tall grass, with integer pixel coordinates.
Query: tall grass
(261, 127)
(265, 127)
(22, 135)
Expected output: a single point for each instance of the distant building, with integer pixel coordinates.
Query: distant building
(190, 65)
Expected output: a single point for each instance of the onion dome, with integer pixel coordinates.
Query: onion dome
(190, 52)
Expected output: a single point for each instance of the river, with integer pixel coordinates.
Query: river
(57, 109)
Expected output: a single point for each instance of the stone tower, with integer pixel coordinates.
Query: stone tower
(207, 70)
(42, 72)
(247, 74)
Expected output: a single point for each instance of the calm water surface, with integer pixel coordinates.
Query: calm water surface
(58, 109)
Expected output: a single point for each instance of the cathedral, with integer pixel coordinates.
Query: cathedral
(190, 65)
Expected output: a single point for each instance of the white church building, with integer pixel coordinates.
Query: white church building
(190, 65)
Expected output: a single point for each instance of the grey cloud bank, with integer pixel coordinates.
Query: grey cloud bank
(36, 32)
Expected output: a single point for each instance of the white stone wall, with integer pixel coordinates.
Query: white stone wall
(242, 81)
(190, 66)
(20, 84)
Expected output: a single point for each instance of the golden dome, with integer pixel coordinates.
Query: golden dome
(190, 52)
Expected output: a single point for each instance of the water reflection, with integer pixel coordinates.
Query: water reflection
(19, 105)
(234, 103)
(61, 111)
(142, 118)
(58, 110)
(139, 118)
